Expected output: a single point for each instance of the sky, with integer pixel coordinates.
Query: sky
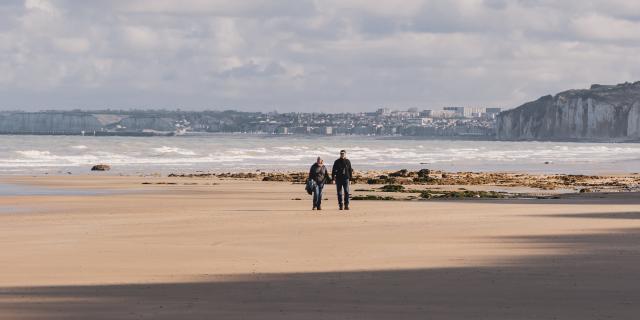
(309, 55)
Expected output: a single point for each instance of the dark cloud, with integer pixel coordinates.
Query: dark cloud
(328, 55)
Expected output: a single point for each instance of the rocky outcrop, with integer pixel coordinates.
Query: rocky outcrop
(101, 167)
(601, 113)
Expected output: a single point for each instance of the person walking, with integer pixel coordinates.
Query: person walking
(318, 173)
(341, 173)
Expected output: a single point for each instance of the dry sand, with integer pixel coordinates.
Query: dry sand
(228, 249)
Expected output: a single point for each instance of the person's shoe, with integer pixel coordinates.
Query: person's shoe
(346, 207)
(340, 207)
(319, 208)
(314, 207)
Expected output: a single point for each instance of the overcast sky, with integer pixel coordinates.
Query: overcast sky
(315, 55)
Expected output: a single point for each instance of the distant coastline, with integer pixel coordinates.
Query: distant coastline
(256, 134)
(312, 135)
(457, 122)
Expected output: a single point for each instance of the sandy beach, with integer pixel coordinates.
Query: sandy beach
(108, 247)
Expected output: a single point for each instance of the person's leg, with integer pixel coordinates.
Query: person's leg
(339, 187)
(347, 195)
(319, 201)
(315, 197)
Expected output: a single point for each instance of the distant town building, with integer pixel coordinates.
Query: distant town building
(457, 111)
(383, 111)
(472, 112)
(444, 114)
(418, 121)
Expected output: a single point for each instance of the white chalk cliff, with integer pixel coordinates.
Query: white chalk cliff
(601, 113)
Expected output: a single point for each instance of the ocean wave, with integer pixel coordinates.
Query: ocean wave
(251, 152)
(33, 153)
(176, 155)
(165, 149)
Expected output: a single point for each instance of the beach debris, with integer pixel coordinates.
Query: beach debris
(392, 188)
(277, 177)
(427, 177)
(381, 179)
(372, 197)
(401, 173)
(101, 167)
(424, 173)
(191, 175)
(431, 194)
(164, 183)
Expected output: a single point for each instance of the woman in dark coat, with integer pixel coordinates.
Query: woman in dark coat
(318, 173)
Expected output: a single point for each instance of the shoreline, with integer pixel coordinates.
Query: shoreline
(393, 184)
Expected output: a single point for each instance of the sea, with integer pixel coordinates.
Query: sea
(39, 155)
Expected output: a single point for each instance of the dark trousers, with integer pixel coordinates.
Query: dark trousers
(317, 195)
(343, 184)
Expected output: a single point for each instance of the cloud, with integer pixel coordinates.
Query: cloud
(141, 37)
(72, 45)
(40, 5)
(301, 55)
(599, 27)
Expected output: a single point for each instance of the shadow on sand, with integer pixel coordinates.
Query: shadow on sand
(587, 199)
(596, 277)
(598, 215)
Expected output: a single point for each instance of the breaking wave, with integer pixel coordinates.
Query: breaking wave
(165, 149)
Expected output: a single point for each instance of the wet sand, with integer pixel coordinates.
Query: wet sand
(241, 249)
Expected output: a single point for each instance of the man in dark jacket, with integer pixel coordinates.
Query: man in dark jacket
(318, 173)
(341, 173)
